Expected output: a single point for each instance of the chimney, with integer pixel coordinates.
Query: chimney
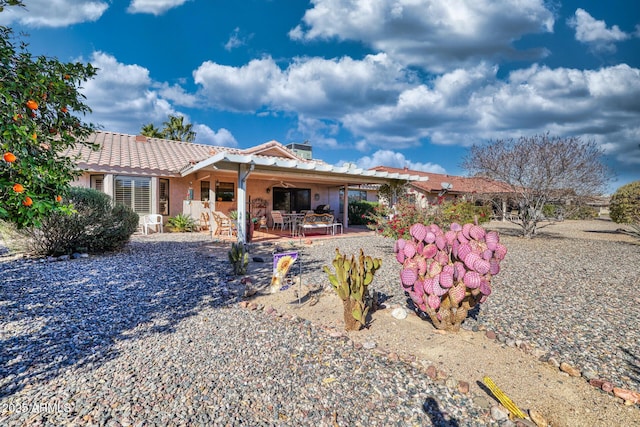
(141, 138)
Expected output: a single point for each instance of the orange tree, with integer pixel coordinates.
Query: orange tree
(40, 106)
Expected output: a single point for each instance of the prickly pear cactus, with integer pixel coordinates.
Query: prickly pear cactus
(239, 259)
(351, 280)
(448, 272)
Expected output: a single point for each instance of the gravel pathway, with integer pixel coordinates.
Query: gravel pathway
(152, 336)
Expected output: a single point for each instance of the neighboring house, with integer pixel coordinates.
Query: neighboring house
(441, 187)
(153, 175)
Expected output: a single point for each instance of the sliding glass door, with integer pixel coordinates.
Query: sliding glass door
(291, 199)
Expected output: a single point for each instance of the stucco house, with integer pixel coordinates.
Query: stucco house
(159, 176)
(438, 187)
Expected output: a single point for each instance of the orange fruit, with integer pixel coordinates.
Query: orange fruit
(67, 76)
(34, 136)
(17, 117)
(32, 104)
(64, 109)
(27, 201)
(18, 188)
(58, 198)
(9, 157)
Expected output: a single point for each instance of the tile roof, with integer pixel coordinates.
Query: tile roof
(460, 184)
(155, 156)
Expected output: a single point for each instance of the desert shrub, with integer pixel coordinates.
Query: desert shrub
(359, 211)
(582, 212)
(395, 223)
(181, 223)
(462, 212)
(624, 207)
(95, 225)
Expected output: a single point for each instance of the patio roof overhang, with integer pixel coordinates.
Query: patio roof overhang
(264, 167)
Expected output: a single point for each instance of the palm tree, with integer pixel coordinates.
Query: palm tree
(151, 131)
(175, 129)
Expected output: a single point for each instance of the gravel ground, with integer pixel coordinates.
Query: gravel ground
(152, 336)
(571, 292)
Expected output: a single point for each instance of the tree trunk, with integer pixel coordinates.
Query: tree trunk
(350, 324)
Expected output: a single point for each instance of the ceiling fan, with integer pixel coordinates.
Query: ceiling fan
(286, 185)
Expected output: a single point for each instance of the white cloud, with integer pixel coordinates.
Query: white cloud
(243, 88)
(154, 7)
(236, 39)
(396, 160)
(596, 33)
(206, 135)
(177, 95)
(121, 96)
(435, 35)
(327, 87)
(321, 132)
(54, 13)
(380, 104)
(601, 105)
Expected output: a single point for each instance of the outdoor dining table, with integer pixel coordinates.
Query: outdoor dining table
(293, 220)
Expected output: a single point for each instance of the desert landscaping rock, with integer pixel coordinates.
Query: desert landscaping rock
(157, 335)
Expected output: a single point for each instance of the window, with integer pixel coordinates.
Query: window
(134, 192)
(354, 196)
(291, 199)
(204, 190)
(225, 192)
(97, 182)
(163, 197)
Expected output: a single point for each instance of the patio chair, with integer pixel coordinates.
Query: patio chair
(204, 221)
(223, 224)
(262, 222)
(152, 220)
(278, 219)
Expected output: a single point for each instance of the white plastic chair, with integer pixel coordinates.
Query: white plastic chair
(153, 220)
(278, 219)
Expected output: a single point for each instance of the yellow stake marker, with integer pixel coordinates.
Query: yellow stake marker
(503, 398)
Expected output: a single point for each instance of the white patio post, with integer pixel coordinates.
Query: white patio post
(345, 203)
(243, 173)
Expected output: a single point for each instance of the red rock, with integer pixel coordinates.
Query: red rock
(596, 382)
(627, 395)
(463, 387)
(491, 335)
(253, 306)
(565, 367)
(243, 304)
(432, 372)
(607, 386)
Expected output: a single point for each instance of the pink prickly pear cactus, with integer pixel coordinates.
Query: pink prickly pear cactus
(448, 272)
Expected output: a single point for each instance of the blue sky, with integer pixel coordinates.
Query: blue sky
(380, 82)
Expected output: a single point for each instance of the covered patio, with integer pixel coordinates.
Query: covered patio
(281, 181)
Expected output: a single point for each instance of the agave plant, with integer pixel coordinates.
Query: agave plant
(181, 223)
(446, 273)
